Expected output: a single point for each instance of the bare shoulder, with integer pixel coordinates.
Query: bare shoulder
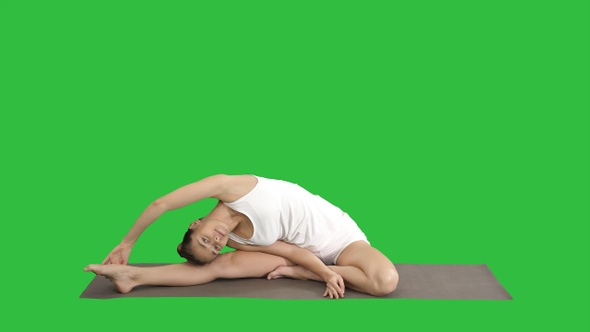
(236, 186)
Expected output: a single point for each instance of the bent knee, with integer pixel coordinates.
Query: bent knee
(385, 282)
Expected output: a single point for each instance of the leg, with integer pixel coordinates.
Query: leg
(367, 269)
(362, 267)
(235, 264)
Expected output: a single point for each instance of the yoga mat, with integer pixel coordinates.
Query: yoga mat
(417, 281)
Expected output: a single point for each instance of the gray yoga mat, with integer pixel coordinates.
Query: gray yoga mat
(417, 281)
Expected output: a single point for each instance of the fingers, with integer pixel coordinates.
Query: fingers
(341, 284)
(112, 260)
(335, 287)
(328, 293)
(338, 286)
(334, 294)
(119, 255)
(333, 291)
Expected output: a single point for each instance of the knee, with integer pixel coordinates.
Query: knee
(385, 282)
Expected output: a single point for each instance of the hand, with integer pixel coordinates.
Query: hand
(119, 255)
(334, 286)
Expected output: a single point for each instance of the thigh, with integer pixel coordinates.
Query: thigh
(244, 264)
(365, 257)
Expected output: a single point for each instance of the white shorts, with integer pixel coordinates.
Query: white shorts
(348, 233)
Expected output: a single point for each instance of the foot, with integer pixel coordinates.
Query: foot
(294, 272)
(123, 276)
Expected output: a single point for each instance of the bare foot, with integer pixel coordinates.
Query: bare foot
(294, 272)
(123, 276)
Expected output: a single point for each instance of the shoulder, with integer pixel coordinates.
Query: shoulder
(236, 186)
(247, 180)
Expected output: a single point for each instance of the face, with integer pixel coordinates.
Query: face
(208, 238)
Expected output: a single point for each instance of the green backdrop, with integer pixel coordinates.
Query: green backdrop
(453, 132)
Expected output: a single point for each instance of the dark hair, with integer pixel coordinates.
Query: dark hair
(184, 249)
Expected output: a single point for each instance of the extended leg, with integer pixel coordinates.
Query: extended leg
(235, 264)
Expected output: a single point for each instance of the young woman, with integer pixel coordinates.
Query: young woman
(278, 228)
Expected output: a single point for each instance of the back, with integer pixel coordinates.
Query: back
(280, 210)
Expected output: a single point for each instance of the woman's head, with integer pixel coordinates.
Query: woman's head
(203, 241)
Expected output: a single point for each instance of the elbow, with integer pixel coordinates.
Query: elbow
(221, 178)
(159, 204)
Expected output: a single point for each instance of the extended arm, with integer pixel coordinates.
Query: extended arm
(209, 187)
(302, 257)
(219, 186)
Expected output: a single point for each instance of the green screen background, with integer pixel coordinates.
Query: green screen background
(453, 132)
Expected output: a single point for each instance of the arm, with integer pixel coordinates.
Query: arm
(217, 186)
(209, 187)
(302, 257)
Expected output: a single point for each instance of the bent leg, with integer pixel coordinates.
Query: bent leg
(235, 264)
(363, 268)
(366, 269)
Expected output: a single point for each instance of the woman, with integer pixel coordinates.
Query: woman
(277, 227)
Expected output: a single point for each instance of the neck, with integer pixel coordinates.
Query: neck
(226, 215)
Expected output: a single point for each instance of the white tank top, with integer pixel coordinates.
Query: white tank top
(281, 210)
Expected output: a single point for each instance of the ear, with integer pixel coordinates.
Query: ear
(194, 224)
